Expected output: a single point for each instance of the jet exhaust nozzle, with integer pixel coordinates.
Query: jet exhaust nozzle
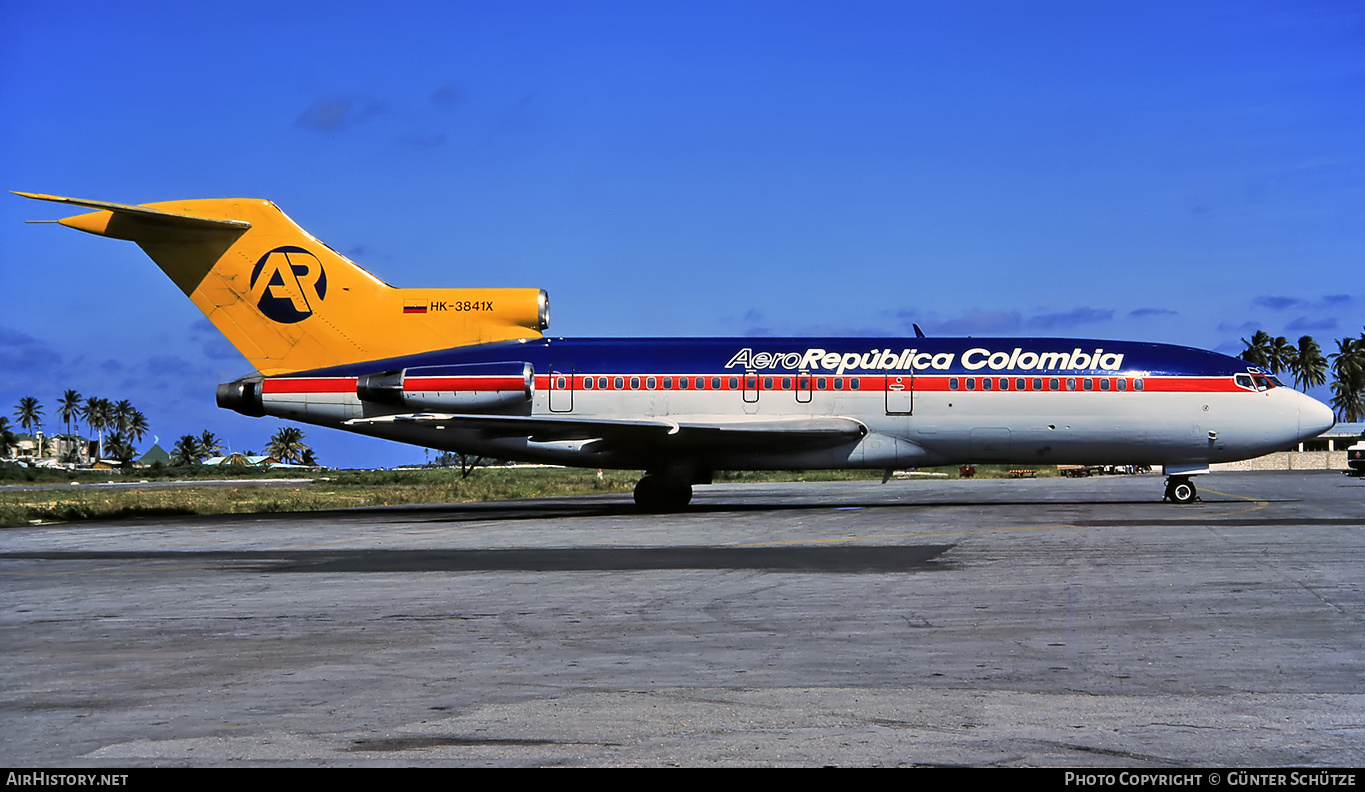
(243, 396)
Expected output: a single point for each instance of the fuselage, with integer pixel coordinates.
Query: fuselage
(922, 401)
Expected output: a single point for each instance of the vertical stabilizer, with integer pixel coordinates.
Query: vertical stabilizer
(289, 302)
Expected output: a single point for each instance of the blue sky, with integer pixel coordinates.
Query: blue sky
(1165, 171)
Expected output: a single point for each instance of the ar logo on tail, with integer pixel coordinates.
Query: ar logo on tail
(288, 282)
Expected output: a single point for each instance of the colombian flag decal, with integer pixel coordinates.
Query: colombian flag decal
(414, 309)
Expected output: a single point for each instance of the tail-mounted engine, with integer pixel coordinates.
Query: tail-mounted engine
(470, 387)
(243, 395)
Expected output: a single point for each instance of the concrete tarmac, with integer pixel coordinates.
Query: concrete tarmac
(1047, 622)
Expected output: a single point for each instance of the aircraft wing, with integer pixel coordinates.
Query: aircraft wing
(681, 433)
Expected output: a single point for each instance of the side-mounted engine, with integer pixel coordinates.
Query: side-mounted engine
(469, 387)
(457, 388)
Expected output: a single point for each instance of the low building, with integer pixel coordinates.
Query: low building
(1327, 451)
(26, 446)
(242, 460)
(154, 455)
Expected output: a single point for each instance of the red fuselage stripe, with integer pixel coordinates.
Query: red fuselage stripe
(876, 382)
(464, 384)
(310, 385)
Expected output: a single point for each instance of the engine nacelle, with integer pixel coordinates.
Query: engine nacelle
(243, 396)
(469, 387)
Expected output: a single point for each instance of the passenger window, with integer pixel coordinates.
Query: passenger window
(734, 383)
(971, 383)
(1137, 384)
(1037, 384)
(952, 383)
(634, 383)
(587, 383)
(715, 383)
(668, 383)
(986, 383)
(620, 383)
(767, 383)
(854, 384)
(650, 382)
(1088, 383)
(1104, 384)
(1122, 384)
(786, 383)
(821, 383)
(1054, 384)
(838, 383)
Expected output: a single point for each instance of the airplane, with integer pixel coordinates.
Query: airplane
(471, 371)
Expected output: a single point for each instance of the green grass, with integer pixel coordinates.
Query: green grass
(326, 490)
(338, 489)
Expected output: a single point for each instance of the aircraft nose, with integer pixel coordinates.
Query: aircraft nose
(1314, 417)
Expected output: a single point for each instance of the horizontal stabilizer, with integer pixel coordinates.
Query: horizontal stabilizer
(144, 213)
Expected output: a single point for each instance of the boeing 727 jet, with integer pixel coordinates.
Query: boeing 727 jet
(471, 371)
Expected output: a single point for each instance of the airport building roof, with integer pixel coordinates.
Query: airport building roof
(1343, 429)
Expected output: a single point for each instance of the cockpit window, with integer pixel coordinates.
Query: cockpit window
(1260, 382)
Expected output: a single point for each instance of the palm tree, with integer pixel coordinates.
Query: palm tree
(210, 444)
(185, 452)
(123, 413)
(1281, 355)
(99, 416)
(69, 407)
(1258, 349)
(1348, 387)
(30, 414)
(137, 426)
(7, 438)
(287, 445)
(129, 426)
(120, 448)
(88, 413)
(1347, 402)
(1309, 367)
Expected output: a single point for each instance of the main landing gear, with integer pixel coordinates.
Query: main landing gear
(1180, 489)
(658, 493)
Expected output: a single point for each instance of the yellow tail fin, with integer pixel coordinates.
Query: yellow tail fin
(290, 303)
